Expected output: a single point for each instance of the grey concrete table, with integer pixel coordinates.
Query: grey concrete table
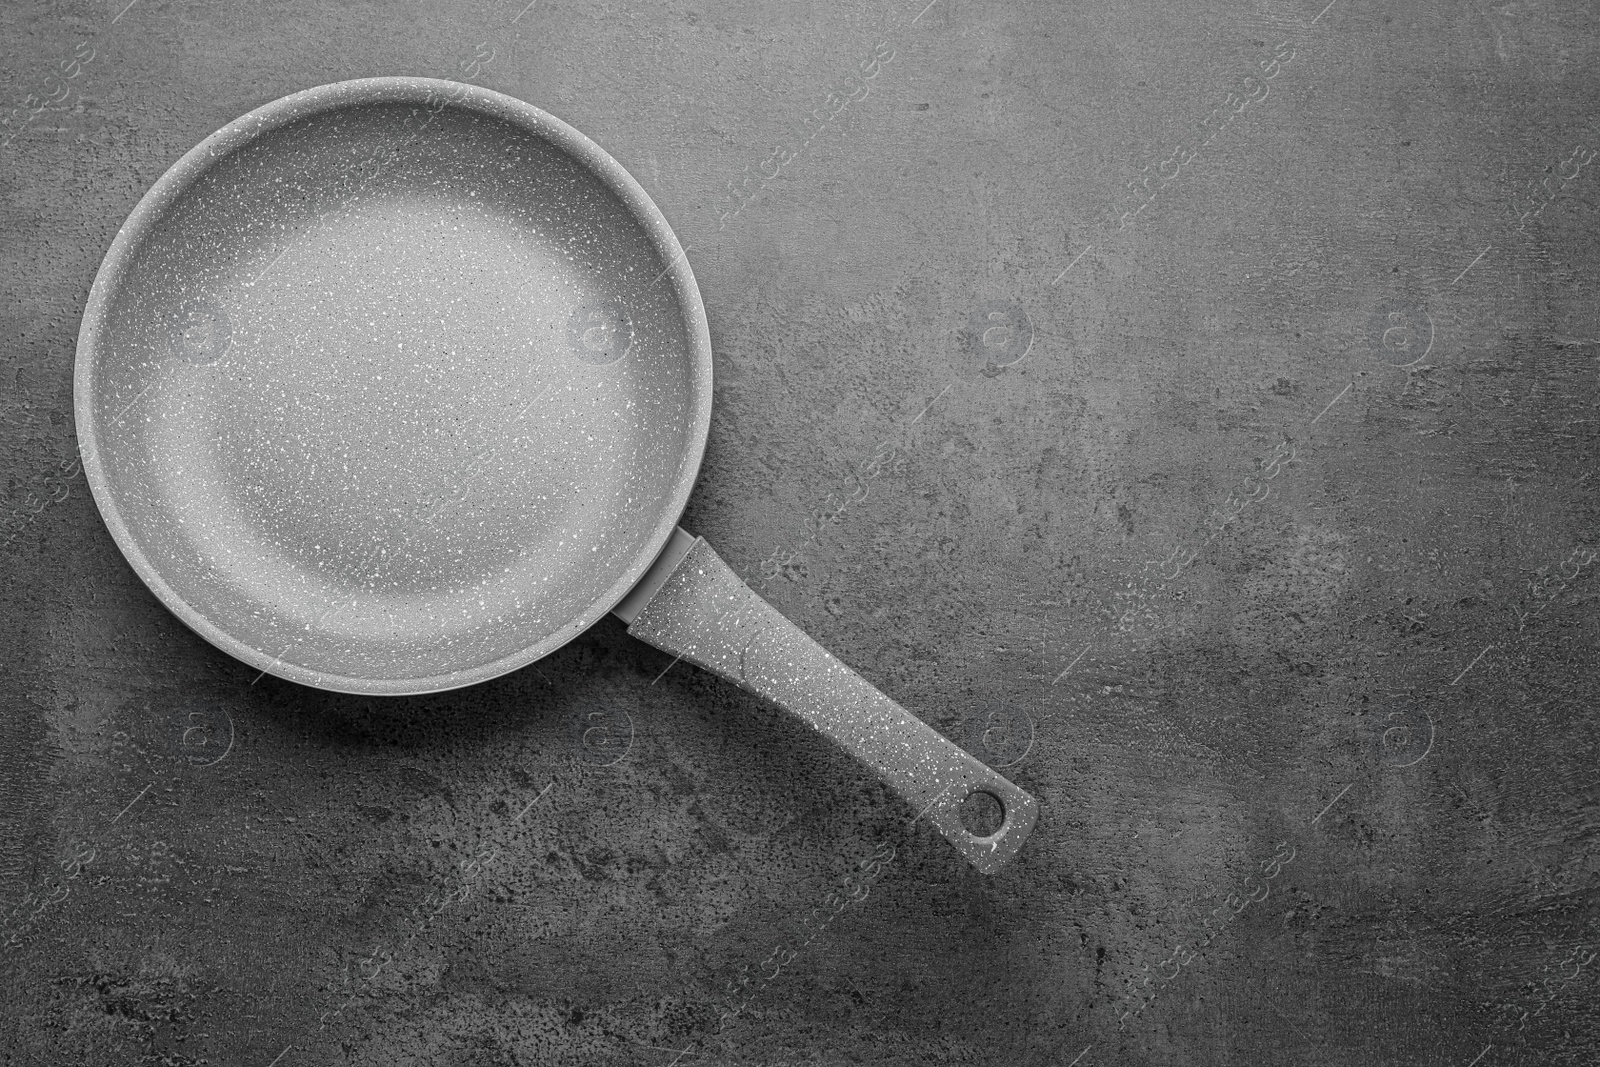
(1189, 408)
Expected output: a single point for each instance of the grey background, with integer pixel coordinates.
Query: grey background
(1384, 667)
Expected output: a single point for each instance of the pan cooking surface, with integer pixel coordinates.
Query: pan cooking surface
(391, 397)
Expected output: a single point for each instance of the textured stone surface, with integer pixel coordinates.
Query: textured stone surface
(1272, 515)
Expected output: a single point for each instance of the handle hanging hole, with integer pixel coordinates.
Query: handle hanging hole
(982, 813)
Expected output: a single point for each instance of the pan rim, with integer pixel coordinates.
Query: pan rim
(149, 213)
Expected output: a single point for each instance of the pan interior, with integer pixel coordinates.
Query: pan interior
(390, 399)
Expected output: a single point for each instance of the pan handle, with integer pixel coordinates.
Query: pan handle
(691, 604)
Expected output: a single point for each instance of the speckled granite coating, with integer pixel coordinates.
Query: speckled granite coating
(393, 385)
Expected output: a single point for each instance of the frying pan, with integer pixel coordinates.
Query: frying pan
(396, 385)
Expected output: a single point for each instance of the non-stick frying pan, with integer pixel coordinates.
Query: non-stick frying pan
(396, 385)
